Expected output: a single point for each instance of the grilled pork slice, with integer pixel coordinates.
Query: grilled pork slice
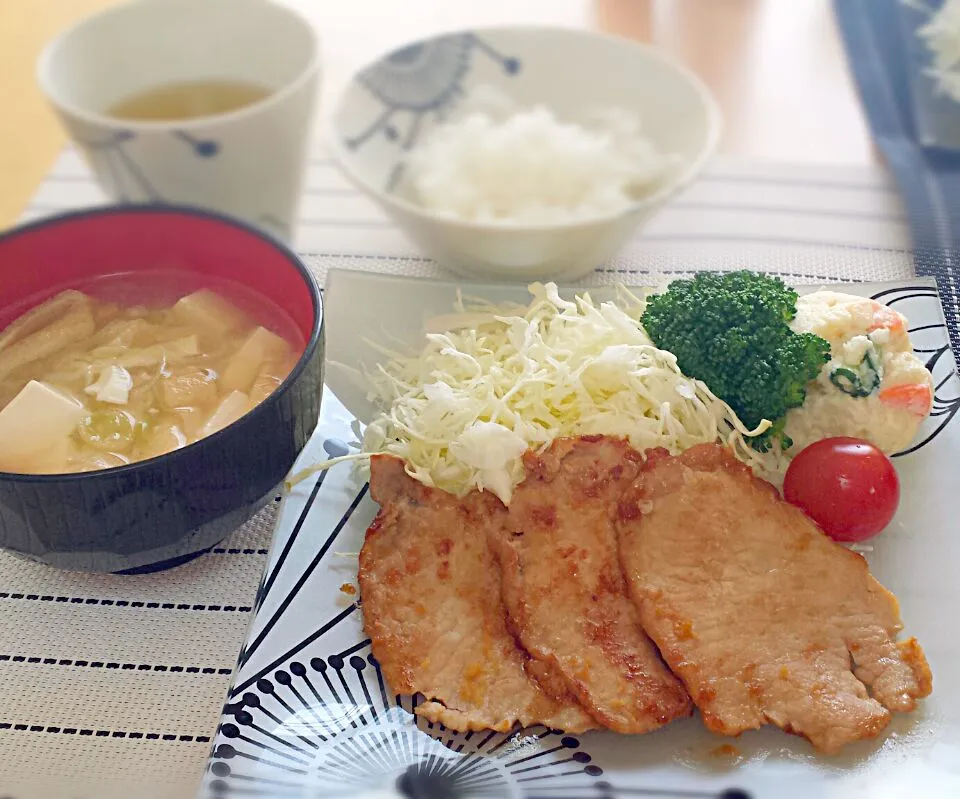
(564, 591)
(432, 610)
(763, 617)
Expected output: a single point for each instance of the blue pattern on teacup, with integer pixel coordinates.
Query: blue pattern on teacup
(126, 176)
(204, 148)
(128, 179)
(129, 182)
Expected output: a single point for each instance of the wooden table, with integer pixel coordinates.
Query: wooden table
(776, 66)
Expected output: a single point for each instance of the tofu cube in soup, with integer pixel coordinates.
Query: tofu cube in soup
(261, 346)
(90, 382)
(38, 420)
(231, 408)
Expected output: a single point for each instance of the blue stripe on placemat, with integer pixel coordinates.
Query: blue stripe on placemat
(929, 179)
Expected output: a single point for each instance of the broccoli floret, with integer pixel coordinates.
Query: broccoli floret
(731, 331)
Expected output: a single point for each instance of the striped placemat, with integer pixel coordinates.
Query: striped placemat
(829, 222)
(112, 686)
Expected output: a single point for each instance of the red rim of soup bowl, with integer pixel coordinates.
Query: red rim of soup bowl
(308, 321)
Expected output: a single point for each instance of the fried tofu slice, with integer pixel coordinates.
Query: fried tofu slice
(431, 605)
(764, 618)
(564, 591)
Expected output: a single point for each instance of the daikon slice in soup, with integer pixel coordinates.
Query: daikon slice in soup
(130, 367)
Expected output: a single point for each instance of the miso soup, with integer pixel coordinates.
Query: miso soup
(91, 379)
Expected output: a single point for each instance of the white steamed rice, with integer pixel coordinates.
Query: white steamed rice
(500, 163)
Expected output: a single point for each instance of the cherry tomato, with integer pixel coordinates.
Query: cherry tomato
(846, 485)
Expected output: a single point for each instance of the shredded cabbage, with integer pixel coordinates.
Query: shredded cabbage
(496, 381)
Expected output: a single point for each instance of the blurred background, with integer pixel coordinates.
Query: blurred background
(776, 67)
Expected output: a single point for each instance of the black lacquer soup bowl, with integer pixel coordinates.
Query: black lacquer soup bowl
(158, 513)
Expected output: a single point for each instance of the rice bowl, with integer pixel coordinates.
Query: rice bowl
(391, 105)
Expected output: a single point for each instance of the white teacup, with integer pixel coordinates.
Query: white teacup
(249, 162)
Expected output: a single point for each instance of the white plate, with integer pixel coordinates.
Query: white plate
(310, 716)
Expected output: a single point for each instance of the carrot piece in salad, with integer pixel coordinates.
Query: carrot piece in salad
(886, 317)
(916, 398)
